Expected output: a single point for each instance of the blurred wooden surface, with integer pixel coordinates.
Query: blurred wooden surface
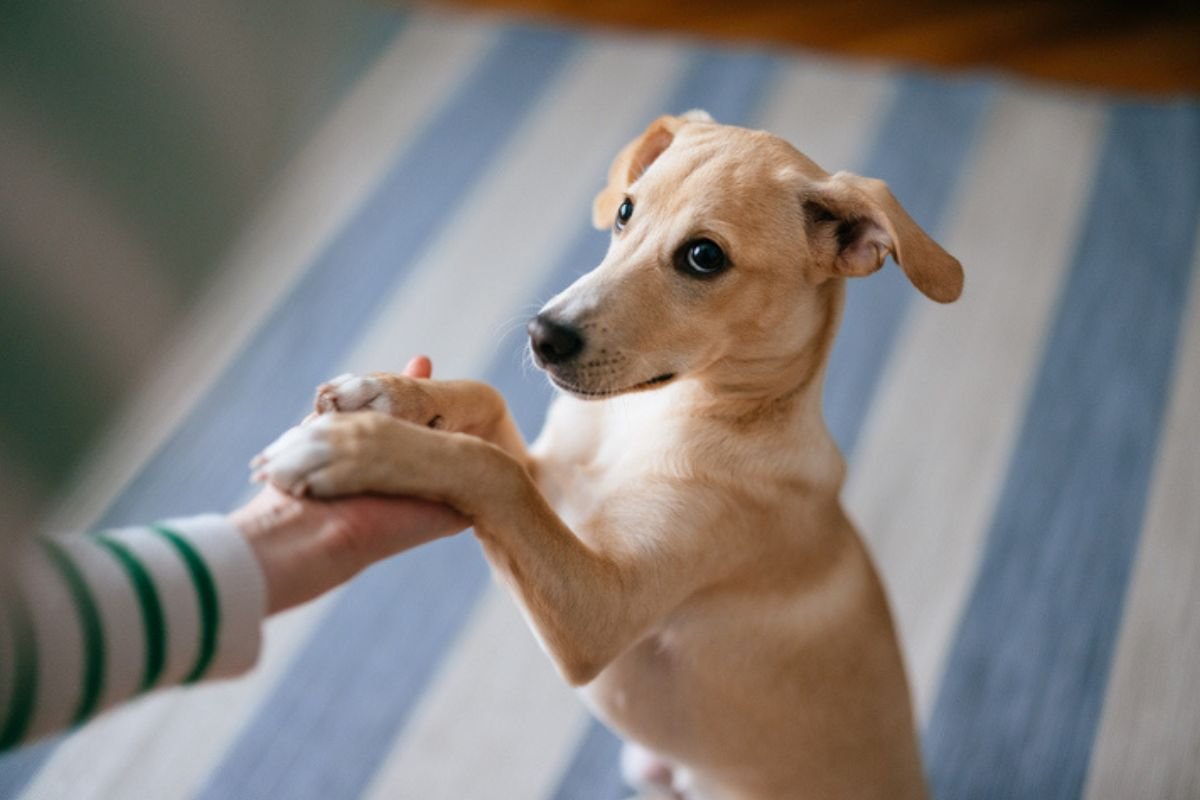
(1149, 46)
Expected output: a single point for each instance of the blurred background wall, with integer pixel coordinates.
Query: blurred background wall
(138, 137)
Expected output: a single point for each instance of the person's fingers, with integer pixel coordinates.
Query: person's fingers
(419, 367)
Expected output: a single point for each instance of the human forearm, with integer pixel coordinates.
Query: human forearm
(89, 620)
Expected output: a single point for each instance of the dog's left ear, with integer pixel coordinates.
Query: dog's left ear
(634, 159)
(855, 223)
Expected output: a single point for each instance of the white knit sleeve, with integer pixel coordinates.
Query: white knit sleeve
(90, 620)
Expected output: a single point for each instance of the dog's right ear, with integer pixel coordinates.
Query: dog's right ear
(855, 223)
(634, 159)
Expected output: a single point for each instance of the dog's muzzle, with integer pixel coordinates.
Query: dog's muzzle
(553, 342)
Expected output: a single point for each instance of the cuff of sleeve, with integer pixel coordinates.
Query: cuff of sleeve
(240, 590)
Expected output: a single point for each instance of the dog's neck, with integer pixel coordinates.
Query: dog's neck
(783, 381)
(777, 397)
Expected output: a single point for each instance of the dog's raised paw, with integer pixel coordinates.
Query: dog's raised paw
(350, 392)
(290, 460)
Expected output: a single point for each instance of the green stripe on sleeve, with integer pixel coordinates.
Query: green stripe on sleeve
(24, 688)
(153, 620)
(93, 631)
(206, 592)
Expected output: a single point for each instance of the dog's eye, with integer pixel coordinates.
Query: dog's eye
(624, 213)
(702, 257)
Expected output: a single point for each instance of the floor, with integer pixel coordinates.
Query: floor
(1145, 47)
(1055, 202)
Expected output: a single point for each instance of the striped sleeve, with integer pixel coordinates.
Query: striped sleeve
(89, 620)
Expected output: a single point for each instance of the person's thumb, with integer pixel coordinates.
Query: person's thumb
(419, 367)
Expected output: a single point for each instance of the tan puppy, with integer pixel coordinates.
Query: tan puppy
(674, 536)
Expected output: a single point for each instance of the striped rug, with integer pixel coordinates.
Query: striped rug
(1025, 463)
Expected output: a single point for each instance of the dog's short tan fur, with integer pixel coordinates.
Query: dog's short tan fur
(680, 550)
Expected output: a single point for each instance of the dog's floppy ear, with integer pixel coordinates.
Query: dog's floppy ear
(634, 159)
(855, 223)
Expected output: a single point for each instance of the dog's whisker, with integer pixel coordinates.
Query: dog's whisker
(513, 323)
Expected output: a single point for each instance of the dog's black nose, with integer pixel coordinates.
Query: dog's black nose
(552, 341)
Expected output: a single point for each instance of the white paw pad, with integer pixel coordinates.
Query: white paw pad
(353, 393)
(290, 461)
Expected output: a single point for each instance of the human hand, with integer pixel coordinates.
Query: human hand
(307, 547)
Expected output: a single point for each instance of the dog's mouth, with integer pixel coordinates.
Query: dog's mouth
(595, 394)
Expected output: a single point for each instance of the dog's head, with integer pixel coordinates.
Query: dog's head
(727, 247)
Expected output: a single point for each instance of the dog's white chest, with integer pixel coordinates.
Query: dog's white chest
(588, 450)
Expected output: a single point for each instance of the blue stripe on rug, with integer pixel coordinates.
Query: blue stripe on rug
(923, 143)
(920, 149)
(730, 85)
(354, 683)
(1024, 684)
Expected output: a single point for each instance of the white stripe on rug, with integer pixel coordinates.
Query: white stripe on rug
(937, 441)
(119, 754)
(1149, 735)
(831, 113)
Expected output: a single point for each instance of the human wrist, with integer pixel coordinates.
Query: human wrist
(290, 538)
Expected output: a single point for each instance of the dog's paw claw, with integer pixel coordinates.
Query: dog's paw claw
(352, 393)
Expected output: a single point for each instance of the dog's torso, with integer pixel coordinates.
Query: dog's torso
(785, 666)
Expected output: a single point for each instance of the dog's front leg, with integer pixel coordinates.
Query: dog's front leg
(587, 606)
(460, 406)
